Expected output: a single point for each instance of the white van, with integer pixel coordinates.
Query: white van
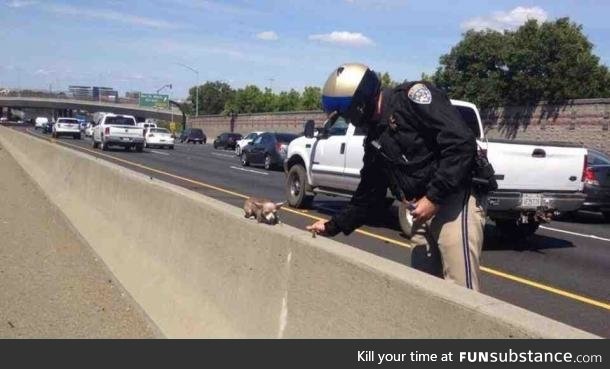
(40, 122)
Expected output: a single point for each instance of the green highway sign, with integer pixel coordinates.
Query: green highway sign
(154, 101)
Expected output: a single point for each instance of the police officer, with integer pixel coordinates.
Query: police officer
(419, 147)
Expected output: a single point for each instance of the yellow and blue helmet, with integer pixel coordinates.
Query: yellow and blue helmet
(350, 91)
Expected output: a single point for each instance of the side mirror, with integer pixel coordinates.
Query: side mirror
(310, 126)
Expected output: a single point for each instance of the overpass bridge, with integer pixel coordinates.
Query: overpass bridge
(64, 106)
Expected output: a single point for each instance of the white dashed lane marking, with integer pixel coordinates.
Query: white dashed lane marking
(249, 170)
(576, 234)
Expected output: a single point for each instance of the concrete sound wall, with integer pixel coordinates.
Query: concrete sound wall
(205, 271)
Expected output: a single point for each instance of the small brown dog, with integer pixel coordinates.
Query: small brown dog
(264, 210)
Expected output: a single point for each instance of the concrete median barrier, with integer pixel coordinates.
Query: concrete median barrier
(199, 269)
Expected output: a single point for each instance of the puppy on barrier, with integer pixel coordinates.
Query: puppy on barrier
(263, 210)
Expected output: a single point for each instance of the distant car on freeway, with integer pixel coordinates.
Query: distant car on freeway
(269, 149)
(227, 140)
(66, 127)
(39, 122)
(3, 120)
(245, 141)
(147, 125)
(193, 135)
(117, 130)
(597, 183)
(48, 127)
(89, 129)
(158, 137)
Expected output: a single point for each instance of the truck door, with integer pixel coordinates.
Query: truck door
(329, 156)
(353, 157)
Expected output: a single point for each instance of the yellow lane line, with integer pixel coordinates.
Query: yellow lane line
(557, 291)
(514, 278)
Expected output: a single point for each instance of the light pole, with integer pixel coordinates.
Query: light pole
(169, 105)
(196, 87)
(168, 85)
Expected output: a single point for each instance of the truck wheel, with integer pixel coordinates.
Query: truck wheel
(94, 143)
(296, 187)
(127, 148)
(140, 147)
(510, 230)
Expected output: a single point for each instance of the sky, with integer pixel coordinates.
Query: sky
(142, 45)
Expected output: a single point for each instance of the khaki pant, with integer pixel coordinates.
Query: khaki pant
(456, 233)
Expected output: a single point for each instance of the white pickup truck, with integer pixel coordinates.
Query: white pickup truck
(535, 179)
(117, 130)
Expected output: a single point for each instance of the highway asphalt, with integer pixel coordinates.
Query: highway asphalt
(562, 272)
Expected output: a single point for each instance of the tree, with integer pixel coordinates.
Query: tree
(288, 101)
(386, 80)
(245, 100)
(212, 96)
(311, 98)
(475, 70)
(551, 61)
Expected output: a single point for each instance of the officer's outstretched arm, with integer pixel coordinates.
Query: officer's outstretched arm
(456, 142)
(369, 195)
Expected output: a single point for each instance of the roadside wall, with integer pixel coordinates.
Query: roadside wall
(584, 122)
(205, 271)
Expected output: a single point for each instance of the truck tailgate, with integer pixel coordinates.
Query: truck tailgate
(528, 166)
(126, 131)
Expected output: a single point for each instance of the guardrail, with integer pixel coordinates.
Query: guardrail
(200, 269)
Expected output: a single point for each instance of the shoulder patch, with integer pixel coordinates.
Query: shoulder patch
(420, 94)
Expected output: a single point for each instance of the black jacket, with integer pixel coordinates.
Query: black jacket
(420, 147)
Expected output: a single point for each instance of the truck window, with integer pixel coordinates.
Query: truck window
(120, 121)
(470, 117)
(360, 131)
(339, 128)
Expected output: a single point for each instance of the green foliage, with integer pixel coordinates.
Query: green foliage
(218, 97)
(552, 61)
(386, 80)
(288, 101)
(212, 97)
(311, 98)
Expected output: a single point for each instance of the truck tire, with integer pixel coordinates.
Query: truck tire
(511, 230)
(296, 187)
(95, 144)
(140, 147)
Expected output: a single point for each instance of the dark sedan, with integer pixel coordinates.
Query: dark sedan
(193, 135)
(269, 150)
(227, 140)
(597, 183)
(48, 127)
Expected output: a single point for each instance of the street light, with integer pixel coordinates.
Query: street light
(168, 103)
(196, 87)
(168, 85)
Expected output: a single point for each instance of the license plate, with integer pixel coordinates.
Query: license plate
(531, 200)
(126, 139)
